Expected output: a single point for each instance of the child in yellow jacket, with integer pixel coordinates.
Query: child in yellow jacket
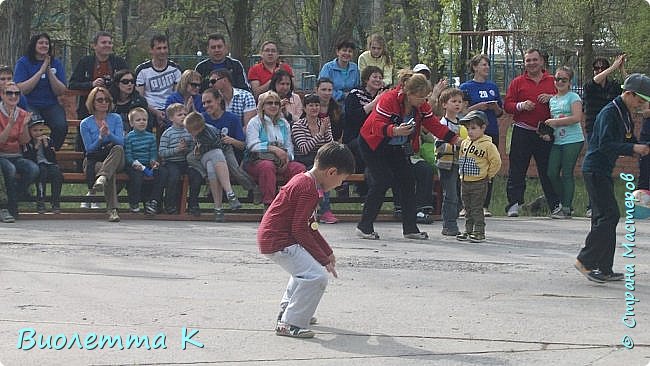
(479, 162)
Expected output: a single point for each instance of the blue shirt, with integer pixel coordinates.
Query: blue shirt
(90, 132)
(228, 121)
(42, 95)
(344, 80)
(176, 97)
(484, 92)
(560, 106)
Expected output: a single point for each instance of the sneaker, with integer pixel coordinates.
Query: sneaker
(462, 236)
(194, 211)
(397, 213)
(135, 208)
(422, 235)
(95, 206)
(462, 213)
(151, 207)
(422, 218)
(113, 216)
(100, 183)
(588, 213)
(557, 212)
(476, 237)
(233, 201)
(371, 236)
(6, 217)
(328, 217)
(513, 211)
(288, 330)
(219, 216)
(313, 320)
(614, 276)
(487, 212)
(40, 207)
(591, 274)
(449, 232)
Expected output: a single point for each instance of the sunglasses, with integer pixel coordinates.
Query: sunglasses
(599, 67)
(102, 100)
(198, 85)
(561, 80)
(10, 93)
(127, 81)
(272, 103)
(214, 81)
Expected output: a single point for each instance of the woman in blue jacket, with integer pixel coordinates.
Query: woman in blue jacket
(342, 71)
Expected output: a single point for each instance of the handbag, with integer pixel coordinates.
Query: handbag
(266, 155)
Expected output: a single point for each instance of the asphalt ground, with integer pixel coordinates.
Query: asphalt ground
(513, 300)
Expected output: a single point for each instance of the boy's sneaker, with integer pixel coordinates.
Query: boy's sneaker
(135, 208)
(233, 201)
(462, 213)
(219, 216)
(476, 237)
(462, 236)
(513, 211)
(328, 217)
(486, 212)
(371, 236)
(588, 213)
(151, 207)
(288, 330)
(448, 232)
(113, 216)
(591, 274)
(40, 207)
(6, 217)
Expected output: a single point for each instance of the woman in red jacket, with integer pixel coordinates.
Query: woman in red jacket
(388, 137)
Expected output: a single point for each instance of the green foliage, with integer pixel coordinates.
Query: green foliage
(634, 38)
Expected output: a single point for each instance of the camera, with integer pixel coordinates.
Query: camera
(108, 80)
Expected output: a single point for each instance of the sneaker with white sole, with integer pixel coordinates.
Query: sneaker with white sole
(328, 217)
(6, 217)
(513, 211)
(113, 216)
(486, 212)
(288, 330)
(371, 236)
(313, 320)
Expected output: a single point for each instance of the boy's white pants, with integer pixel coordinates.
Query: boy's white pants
(306, 285)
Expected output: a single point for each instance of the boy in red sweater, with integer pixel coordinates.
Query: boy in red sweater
(288, 235)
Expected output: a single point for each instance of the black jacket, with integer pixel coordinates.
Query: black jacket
(30, 152)
(82, 77)
(239, 79)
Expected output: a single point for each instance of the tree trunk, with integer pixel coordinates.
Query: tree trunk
(241, 37)
(411, 12)
(124, 18)
(14, 29)
(325, 31)
(588, 39)
(466, 24)
(481, 25)
(437, 67)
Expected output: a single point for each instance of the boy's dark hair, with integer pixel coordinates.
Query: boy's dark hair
(335, 155)
(4, 69)
(157, 38)
(194, 121)
(448, 94)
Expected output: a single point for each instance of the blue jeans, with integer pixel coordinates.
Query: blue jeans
(29, 172)
(449, 182)
(55, 119)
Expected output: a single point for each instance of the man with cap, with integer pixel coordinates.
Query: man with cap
(612, 136)
(41, 151)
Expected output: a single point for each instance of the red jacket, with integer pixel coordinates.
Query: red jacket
(524, 88)
(379, 126)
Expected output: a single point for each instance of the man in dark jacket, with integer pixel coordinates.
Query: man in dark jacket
(219, 59)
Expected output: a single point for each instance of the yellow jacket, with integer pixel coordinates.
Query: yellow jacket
(479, 159)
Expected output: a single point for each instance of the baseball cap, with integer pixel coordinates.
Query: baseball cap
(421, 67)
(639, 84)
(35, 120)
(475, 115)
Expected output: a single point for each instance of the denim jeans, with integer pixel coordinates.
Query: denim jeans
(450, 200)
(28, 171)
(55, 119)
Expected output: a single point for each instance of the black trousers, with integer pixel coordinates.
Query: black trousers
(173, 171)
(524, 145)
(600, 244)
(386, 165)
(52, 174)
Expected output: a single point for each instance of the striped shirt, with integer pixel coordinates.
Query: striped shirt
(140, 146)
(169, 142)
(303, 140)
